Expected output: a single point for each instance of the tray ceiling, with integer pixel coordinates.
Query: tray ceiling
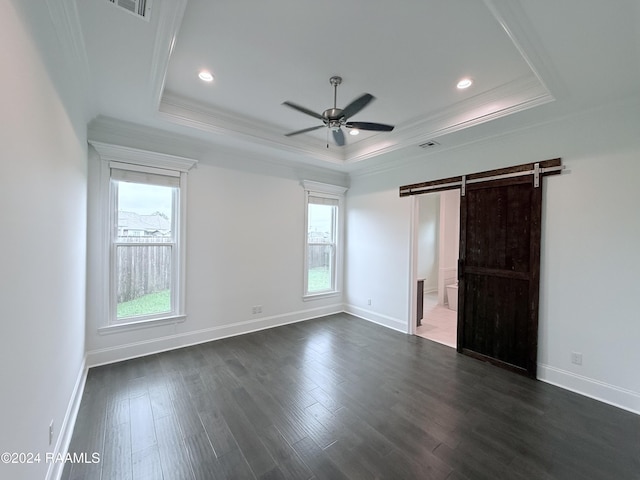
(409, 56)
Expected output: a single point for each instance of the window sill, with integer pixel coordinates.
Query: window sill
(137, 325)
(318, 296)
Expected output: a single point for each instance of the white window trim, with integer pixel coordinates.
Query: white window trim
(153, 162)
(328, 191)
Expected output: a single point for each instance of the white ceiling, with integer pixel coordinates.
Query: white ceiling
(544, 57)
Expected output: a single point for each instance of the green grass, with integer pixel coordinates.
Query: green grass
(319, 279)
(146, 305)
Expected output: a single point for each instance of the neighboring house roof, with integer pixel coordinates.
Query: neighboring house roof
(322, 237)
(147, 223)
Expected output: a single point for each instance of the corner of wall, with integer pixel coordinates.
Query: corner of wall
(378, 318)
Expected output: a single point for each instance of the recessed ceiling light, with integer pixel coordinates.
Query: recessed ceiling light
(205, 76)
(464, 83)
(354, 131)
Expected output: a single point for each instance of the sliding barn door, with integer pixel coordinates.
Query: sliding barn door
(499, 272)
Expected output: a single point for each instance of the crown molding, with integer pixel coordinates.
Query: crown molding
(111, 131)
(118, 132)
(512, 97)
(414, 158)
(518, 27)
(515, 96)
(66, 23)
(187, 113)
(169, 14)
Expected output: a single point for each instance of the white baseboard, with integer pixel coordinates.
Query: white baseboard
(148, 347)
(384, 320)
(66, 429)
(604, 392)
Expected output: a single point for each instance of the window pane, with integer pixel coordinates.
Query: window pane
(320, 263)
(321, 223)
(144, 211)
(143, 280)
(320, 248)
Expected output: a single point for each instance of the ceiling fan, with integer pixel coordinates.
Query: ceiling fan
(336, 118)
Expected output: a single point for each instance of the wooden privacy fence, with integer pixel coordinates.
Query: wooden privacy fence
(319, 255)
(142, 269)
(146, 268)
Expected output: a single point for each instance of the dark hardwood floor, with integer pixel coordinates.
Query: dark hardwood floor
(340, 398)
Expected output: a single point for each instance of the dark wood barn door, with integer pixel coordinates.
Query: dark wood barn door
(499, 272)
(499, 266)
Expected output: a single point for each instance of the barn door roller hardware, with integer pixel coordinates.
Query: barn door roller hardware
(537, 170)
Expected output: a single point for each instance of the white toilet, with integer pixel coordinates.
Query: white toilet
(452, 296)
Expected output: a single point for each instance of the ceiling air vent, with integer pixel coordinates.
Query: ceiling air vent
(140, 8)
(429, 144)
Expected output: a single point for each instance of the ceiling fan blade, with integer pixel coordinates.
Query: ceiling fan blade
(303, 110)
(304, 130)
(338, 136)
(378, 127)
(357, 105)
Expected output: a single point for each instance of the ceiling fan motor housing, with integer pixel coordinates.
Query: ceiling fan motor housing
(333, 118)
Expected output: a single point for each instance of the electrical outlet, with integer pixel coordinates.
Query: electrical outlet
(369, 302)
(51, 432)
(256, 309)
(576, 358)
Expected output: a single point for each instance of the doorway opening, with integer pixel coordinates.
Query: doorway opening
(437, 245)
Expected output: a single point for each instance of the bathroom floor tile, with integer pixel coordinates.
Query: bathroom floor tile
(439, 324)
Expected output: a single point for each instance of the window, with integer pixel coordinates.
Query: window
(323, 254)
(144, 249)
(143, 227)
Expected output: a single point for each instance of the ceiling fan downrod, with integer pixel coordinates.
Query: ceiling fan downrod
(333, 117)
(335, 81)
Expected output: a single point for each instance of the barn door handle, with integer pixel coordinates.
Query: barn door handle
(460, 269)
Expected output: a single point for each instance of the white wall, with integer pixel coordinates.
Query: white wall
(377, 245)
(43, 238)
(449, 242)
(589, 285)
(428, 235)
(590, 292)
(245, 240)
